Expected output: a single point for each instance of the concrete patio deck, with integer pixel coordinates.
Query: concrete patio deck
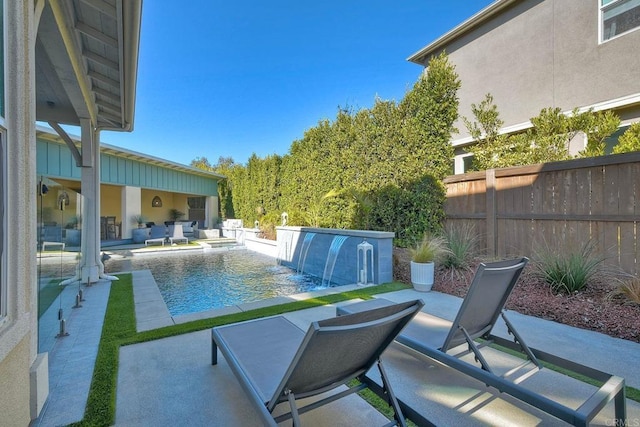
(171, 382)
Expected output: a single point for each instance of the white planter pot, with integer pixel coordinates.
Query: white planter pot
(139, 235)
(73, 237)
(422, 276)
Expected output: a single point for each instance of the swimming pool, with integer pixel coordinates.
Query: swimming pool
(194, 282)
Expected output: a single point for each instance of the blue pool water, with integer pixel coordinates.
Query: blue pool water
(191, 283)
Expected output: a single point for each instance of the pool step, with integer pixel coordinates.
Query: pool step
(222, 242)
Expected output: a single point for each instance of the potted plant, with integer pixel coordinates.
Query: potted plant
(423, 258)
(175, 214)
(140, 234)
(140, 220)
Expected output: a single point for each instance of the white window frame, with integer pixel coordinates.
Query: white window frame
(603, 6)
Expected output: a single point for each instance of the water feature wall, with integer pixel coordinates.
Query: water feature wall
(308, 249)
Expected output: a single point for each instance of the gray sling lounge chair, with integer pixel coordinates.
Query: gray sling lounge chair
(157, 235)
(277, 362)
(479, 312)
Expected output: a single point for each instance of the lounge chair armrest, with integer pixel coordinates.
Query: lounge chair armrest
(613, 389)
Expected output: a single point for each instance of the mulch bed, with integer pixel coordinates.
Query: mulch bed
(596, 308)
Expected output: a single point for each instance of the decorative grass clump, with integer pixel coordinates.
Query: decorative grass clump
(462, 242)
(566, 269)
(630, 288)
(429, 249)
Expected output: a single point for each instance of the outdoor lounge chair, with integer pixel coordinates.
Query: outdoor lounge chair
(277, 362)
(157, 234)
(52, 236)
(482, 306)
(175, 234)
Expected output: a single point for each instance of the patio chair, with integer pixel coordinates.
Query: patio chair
(482, 306)
(157, 234)
(52, 236)
(176, 234)
(277, 362)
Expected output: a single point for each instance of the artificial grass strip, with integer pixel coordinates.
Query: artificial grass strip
(377, 402)
(198, 325)
(632, 393)
(119, 324)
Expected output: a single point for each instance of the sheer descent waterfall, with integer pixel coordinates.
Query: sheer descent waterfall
(332, 256)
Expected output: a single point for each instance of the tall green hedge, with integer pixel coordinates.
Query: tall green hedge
(378, 168)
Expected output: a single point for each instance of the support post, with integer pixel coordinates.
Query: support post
(492, 232)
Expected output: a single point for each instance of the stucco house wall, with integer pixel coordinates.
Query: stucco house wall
(53, 90)
(533, 54)
(18, 327)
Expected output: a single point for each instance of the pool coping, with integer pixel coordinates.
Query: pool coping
(152, 312)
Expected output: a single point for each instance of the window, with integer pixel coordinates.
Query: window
(197, 206)
(618, 17)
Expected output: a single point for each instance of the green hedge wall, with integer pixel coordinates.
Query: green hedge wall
(378, 168)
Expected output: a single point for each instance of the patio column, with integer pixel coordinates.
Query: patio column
(211, 212)
(90, 268)
(131, 205)
(90, 183)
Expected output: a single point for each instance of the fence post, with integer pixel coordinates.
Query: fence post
(490, 182)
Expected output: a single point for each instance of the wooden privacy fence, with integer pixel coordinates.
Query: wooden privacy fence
(561, 204)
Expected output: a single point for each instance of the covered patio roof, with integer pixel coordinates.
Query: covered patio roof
(87, 62)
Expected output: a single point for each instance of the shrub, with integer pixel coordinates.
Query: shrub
(138, 219)
(566, 269)
(462, 241)
(175, 214)
(268, 224)
(296, 217)
(630, 288)
(629, 141)
(409, 212)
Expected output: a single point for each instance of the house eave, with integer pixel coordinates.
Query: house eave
(47, 134)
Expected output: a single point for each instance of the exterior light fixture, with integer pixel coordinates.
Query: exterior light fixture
(365, 258)
(156, 202)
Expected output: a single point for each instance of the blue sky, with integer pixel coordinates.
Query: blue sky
(220, 78)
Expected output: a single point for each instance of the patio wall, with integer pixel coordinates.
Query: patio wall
(249, 238)
(311, 257)
(515, 210)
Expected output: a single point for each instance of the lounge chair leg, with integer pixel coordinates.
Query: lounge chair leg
(391, 397)
(620, 402)
(476, 351)
(518, 339)
(214, 351)
(295, 417)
